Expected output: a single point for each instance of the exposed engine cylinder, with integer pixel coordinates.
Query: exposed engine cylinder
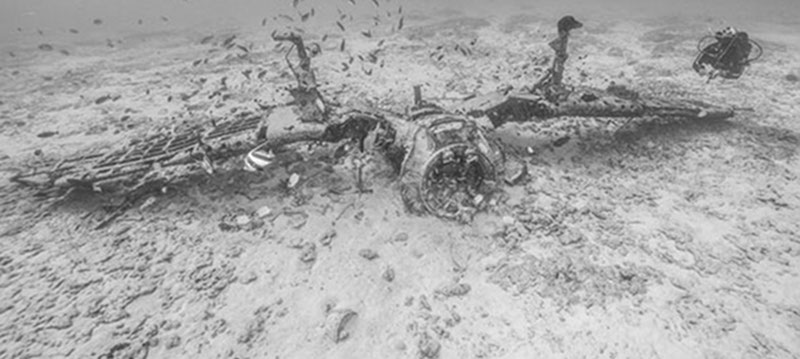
(451, 169)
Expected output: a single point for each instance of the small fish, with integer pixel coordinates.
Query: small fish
(400, 23)
(100, 100)
(324, 37)
(46, 134)
(342, 17)
(164, 19)
(73, 31)
(400, 9)
(367, 71)
(240, 47)
(361, 58)
(46, 47)
(205, 61)
(19, 29)
(197, 62)
(64, 52)
(352, 2)
(97, 22)
(246, 73)
(341, 46)
(312, 12)
(473, 42)
(350, 61)
(304, 17)
(295, 3)
(287, 17)
(140, 21)
(12, 54)
(264, 22)
(339, 24)
(376, 3)
(206, 39)
(367, 33)
(345, 66)
(381, 42)
(262, 74)
(228, 41)
(40, 32)
(440, 57)
(439, 47)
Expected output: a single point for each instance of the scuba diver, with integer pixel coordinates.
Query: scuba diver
(727, 56)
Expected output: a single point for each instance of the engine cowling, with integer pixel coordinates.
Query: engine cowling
(451, 168)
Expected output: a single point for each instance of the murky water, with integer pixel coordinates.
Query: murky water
(23, 20)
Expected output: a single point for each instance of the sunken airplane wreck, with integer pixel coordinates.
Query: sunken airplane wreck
(446, 162)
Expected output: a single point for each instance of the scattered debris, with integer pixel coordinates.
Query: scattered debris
(453, 290)
(340, 324)
(240, 222)
(570, 236)
(248, 278)
(428, 347)
(173, 341)
(368, 254)
(308, 253)
(388, 274)
(326, 238)
(293, 180)
(263, 212)
(423, 303)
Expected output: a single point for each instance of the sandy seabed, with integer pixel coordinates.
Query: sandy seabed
(652, 240)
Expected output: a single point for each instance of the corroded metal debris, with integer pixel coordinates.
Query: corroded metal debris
(450, 166)
(447, 164)
(166, 155)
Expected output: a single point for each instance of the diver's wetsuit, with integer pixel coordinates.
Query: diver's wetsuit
(728, 56)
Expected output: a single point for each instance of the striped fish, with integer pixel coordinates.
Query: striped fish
(258, 159)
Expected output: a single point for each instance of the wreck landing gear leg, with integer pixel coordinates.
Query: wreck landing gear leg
(550, 98)
(307, 96)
